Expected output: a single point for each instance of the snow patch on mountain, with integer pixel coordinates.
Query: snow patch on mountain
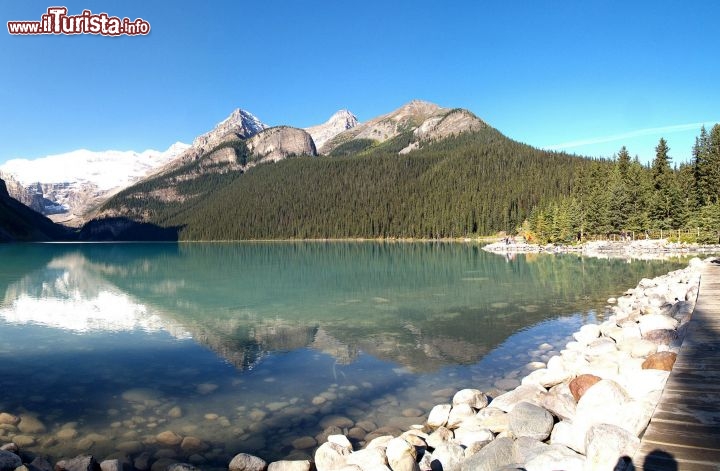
(105, 170)
(72, 183)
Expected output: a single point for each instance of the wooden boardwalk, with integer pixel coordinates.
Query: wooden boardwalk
(684, 433)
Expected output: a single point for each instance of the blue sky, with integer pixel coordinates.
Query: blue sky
(586, 76)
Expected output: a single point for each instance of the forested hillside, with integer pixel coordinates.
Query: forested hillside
(623, 197)
(473, 183)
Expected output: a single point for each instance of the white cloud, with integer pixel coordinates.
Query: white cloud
(628, 135)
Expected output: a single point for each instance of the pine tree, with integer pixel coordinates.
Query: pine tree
(661, 202)
(661, 168)
(685, 178)
(712, 166)
(623, 163)
(619, 202)
(700, 167)
(596, 199)
(639, 190)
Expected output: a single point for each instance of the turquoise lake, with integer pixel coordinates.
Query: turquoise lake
(263, 347)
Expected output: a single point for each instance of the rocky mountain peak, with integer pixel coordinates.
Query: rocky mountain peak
(419, 107)
(345, 116)
(240, 122)
(340, 121)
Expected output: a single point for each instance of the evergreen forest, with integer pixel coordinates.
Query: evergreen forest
(471, 184)
(624, 198)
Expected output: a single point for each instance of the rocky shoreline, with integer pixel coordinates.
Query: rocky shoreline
(584, 408)
(638, 249)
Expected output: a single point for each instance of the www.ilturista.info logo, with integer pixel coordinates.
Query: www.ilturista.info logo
(57, 21)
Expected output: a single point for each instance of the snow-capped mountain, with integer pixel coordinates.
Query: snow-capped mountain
(341, 121)
(67, 186)
(72, 182)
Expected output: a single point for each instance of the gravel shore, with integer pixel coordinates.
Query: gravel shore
(638, 249)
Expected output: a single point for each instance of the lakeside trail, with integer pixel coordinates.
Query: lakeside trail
(585, 409)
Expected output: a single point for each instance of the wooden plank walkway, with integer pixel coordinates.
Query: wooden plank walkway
(684, 433)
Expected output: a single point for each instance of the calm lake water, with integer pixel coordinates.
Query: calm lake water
(262, 347)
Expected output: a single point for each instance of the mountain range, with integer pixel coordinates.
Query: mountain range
(66, 186)
(219, 173)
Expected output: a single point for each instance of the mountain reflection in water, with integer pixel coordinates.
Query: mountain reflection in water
(271, 337)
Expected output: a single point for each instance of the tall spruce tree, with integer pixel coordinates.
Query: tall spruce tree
(617, 201)
(685, 180)
(700, 167)
(623, 162)
(712, 166)
(661, 168)
(639, 190)
(619, 188)
(661, 203)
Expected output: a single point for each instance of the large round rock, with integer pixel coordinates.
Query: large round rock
(606, 443)
(582, 383)
(245, 462)
(9, 461)
(472, 397)
(529, 420)
(660, 361)
(330, 456)
(448, 457)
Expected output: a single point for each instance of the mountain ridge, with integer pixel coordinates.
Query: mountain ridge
(422, 118)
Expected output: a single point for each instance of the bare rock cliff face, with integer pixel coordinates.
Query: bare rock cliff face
(226, 157)
(274, 144)
(16, 190)
(33, 196)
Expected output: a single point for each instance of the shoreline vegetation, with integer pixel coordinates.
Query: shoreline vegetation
(584, 408)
